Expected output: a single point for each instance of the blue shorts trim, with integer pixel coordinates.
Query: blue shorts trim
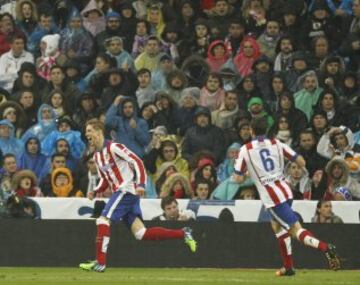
(283, 214)
(123, 206)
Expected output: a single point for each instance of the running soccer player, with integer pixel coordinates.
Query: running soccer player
(122, 171)
(264, 160)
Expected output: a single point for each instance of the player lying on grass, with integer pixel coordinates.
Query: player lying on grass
(264, 160)
(122, 171)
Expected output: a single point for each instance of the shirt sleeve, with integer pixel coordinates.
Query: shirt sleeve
(240, 163)
(103, 183)
(124, 153)
(288, 152)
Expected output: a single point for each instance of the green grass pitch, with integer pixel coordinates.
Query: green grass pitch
(160, 276)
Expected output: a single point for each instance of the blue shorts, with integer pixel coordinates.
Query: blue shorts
(283, 214)
(123, 206)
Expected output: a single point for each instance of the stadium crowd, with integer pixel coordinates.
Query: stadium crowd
(178, 83)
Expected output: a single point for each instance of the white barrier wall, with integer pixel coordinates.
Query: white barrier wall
(243, 211)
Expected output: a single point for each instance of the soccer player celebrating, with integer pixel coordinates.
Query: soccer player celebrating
(264, 161)
(122, 171)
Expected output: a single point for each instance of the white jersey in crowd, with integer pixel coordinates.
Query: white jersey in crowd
(264, 159)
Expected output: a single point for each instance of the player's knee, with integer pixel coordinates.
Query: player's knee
(102, 221)
(140, 234)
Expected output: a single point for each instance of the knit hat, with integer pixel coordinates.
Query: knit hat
(52, 43)
(112, 14)
(255, 100)
(204, 162)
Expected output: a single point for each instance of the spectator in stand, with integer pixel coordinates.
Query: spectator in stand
(165, 151)
(116, 81)
(226, 115)
(284, 50)
(8, 171)
(298, 68)
(29, 80)
(73, 73)
(217, 55)
(62, 184)
(26, 100)
(33, 159)
(188, 104)
(307, 98)
(94, 79)
(256, 109)
(338, 175)
(324, 214)
(76, 42)
(156, 20)
(350, 47)
(57, 160)
(269, 38)
(158, 78)
(10, 62)
(15, 114)
(7, 31)
(319, 124)
(93, 18)
(166, 112)
(201, 41)
(176, 185)
(329, 103)
(331, 73)
(226, 168)
(219, 17)
(172, 212)
(46, 119)
(131, 130)
(58, 81)
(46, 26)
(86, 109)
(263, 73)
(115, 48)
(296, 118)
(320, 49)
(307, 149)
(205, 170)
(150, 57)
(299, 181)
(202, 190)
(8, 142)
(140, 39)
(24, 184)
(203, 136)
(112, 29)
(249, 52)
(146, 91)
(212, 94)
(50, 55)
(176, 82)
(235, 36)
(283, 131)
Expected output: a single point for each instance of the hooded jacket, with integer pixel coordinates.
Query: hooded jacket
(167, 187)
(301, 189)
(33, 191)
(226, 168)
(93, 27)
(42, 128)
(344, 181)
(305, 100)
(66, 190)
(136, 139)
(199, 138)
(216, 63)
(38, 163)
(11, 144)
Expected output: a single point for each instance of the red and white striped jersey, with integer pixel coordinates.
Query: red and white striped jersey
(265, 159)
(119, 168)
